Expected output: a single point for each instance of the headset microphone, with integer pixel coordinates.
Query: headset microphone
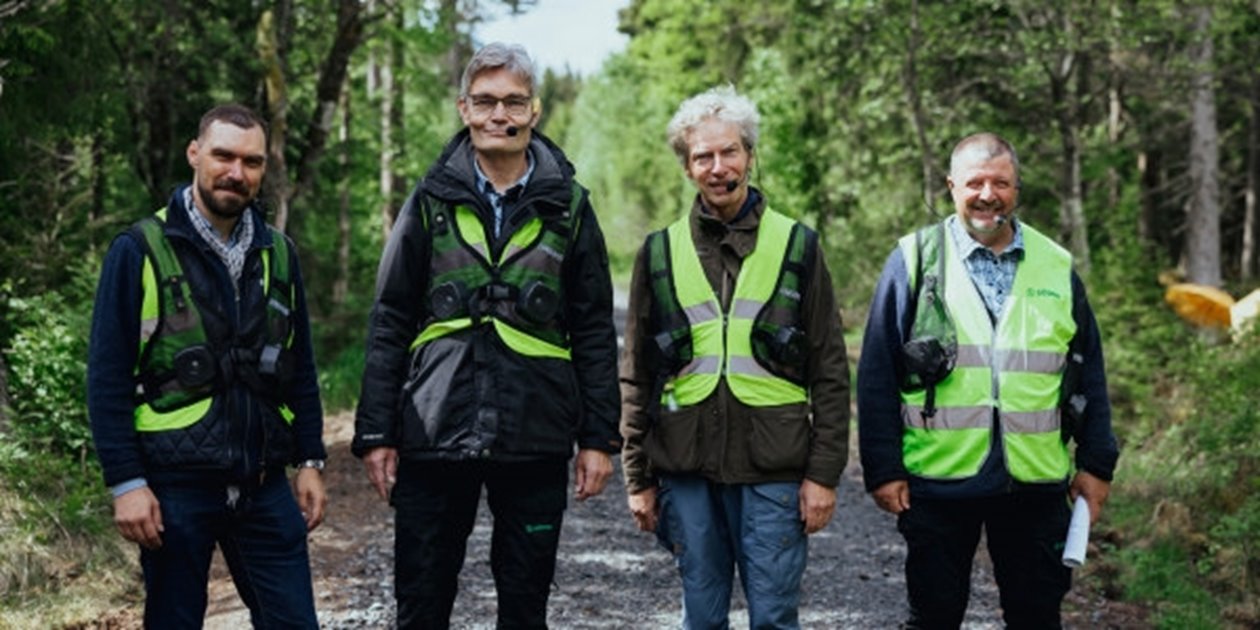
(512, 131)
(732, 185)
(1000, 220)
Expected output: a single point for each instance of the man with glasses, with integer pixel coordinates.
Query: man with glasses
(491, 351)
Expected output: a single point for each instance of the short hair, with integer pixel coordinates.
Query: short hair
(719, 103)
(232, 114)
(991, 144)
(510, 57)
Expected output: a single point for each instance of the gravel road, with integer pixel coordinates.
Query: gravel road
(609, 575)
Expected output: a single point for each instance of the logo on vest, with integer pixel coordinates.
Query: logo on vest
(1043, 293)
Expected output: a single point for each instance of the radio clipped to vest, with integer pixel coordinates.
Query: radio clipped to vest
(932, 351)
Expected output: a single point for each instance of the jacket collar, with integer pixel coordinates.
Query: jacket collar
(178, 225)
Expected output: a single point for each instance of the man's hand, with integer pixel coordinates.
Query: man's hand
(818, 503)
(1094, 490)
(138, 517)
(382, 469)
(309, 487)
(893, 496)
(643, 509)
(591, 471)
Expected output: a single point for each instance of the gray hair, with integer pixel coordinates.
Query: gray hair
(510, 57)
(992, 145)
(719, 103)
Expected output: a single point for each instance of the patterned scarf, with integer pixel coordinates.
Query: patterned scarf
(231, 252)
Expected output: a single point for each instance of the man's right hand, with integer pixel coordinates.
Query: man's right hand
(382, 469)
(893, 496)
(643, 508)
(138, 517)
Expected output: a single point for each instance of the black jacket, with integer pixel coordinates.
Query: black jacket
(466, 395)
(243, 433)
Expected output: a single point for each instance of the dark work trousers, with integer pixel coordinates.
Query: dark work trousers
(263, 539)
(1025, 533)
(435, 508)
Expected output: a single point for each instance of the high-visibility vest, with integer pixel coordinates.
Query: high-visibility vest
(519, 291)
(1014, 368)
(174, 341)
(709, 343)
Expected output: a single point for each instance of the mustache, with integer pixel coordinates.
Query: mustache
(232, 185)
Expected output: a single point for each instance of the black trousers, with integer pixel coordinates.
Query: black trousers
(435, 508)
(1025, 533)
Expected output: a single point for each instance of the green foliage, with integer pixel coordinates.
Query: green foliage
(340, 377)
(45, 360)
(1165, 574)
(47, 454)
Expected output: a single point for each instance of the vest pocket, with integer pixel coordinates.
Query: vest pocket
(673, 445)
(779, 438)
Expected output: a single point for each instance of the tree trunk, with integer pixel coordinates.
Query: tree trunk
(1072, 209)
(341, 285)
(332, 74)
(391, 119)
(279, 188)
(1203, 238)
(910, 77)
(1247, 266)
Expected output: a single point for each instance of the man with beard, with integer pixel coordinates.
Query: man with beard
(981, 361)
(491, 354)
(202, 389)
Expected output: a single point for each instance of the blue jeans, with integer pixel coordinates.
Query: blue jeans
(263, 539)
(711, 528)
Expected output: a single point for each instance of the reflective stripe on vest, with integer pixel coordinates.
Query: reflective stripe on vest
(721, 344)
(181, 327)
(1016, 368)
(534, 253)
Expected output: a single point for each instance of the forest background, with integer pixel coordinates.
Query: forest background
(1138, 124)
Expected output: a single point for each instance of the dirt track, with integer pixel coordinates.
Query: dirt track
(609, 575)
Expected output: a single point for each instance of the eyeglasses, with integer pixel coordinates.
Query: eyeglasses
(484, 104)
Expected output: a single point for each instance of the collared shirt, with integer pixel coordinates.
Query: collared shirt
(231, 252)
(510, 195)
(992, 274)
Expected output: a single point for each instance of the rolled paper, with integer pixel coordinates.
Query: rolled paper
(1077, 535)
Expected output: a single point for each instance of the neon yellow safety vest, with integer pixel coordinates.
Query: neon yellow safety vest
(519, 291)
(171, 327)
(1015, 368)
(721, 342)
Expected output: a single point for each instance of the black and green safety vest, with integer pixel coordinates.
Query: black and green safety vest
(179, 365)
(758, 344)
(1013, 368)
(518, 290)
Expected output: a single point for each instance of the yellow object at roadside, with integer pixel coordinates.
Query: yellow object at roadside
(1200, 305)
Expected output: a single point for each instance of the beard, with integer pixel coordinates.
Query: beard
(227, 206)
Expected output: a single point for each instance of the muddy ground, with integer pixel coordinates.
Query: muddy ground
(610, 575)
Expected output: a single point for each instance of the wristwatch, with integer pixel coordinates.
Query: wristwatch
(317, 464)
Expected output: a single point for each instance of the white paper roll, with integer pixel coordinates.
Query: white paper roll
(1077, 535)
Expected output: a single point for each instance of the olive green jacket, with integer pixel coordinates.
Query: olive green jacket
(721, 438)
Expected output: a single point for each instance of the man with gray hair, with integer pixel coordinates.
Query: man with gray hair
(981, 361)
(491, 352)
(735, 384)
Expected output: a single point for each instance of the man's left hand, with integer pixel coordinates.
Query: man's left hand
(311, 498)
(1094, 490)
(818, 503)
(591, 471)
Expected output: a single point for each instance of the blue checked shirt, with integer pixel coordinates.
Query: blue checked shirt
(992, 274)
(496, 198)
